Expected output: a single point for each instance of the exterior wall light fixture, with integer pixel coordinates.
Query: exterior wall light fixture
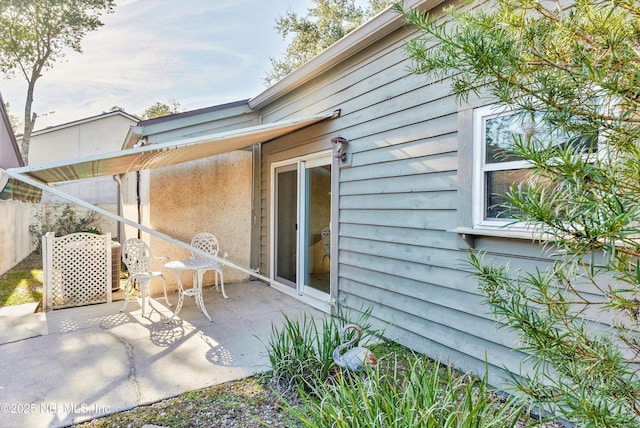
(340, 148)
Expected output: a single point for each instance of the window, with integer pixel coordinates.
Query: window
(496, 167)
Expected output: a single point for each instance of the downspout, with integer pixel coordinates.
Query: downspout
(138, 203)
(256, 211)
(116, 178)
(142, 141)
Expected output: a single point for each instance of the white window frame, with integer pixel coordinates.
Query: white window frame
(480, 115)
(479, 198)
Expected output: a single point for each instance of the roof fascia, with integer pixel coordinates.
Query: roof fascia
(85, 120)
(174, 123)
(365, 35)
(133, 136)
(12, 136)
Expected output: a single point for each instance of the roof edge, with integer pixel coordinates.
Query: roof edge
(195, 112)
(85, 120)
(12, 135)
(365, 35)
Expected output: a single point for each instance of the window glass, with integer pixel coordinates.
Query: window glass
(498, 167)
(498, 183)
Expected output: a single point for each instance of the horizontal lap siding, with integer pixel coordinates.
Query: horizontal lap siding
(398, 202)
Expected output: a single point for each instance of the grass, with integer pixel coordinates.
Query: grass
(247, 403)
(22, 283)
(407, 390)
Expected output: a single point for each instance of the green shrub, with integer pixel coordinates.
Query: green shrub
(406, 390)
(424, 394)
(62, 220)
(301, 352)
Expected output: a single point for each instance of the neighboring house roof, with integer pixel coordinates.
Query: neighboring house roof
(190, 113)
(85, 120)
(188, 121)
(10, 156)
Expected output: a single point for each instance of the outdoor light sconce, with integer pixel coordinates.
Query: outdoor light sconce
(340, 148)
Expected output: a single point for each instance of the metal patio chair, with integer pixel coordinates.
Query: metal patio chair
(136, 255)
(208, 243)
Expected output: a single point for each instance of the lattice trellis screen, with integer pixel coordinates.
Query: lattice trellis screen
(77, 270)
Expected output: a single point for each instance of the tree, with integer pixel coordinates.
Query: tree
(116, 107)
(162, 109)
(13, 119)
(324, 24)
(579, 69)
(35, 34)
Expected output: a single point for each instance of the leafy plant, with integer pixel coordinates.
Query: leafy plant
(423, 395)
(301, 351)
(404, 391)
(62, 220)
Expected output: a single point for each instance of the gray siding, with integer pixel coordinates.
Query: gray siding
(407, 188)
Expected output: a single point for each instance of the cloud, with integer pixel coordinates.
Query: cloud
(197, 52)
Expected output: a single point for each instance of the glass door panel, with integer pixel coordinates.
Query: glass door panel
(301, 224)
(286, 218)
(316, 236)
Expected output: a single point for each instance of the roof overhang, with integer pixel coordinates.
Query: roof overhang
(164, 154)
(378, 27)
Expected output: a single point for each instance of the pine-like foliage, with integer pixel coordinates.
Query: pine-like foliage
(578, 67)
(325, 23)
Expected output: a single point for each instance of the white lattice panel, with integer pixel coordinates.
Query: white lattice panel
(77, 270)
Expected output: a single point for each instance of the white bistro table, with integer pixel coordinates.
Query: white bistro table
(200, 266)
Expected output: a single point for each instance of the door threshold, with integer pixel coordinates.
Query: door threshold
(321, 304)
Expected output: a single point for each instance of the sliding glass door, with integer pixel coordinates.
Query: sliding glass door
(301, 224)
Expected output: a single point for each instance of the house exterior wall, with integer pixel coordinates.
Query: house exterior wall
(208, 195)
(401, 198)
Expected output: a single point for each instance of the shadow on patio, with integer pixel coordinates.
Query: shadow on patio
(75, 364)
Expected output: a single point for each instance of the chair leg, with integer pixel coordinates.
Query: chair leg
(126, 294)
(143, 292)
(222, 284)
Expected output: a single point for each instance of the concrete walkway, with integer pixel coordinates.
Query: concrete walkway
(76, 364)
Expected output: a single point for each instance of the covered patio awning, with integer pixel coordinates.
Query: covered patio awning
(165, 154)
(27, 183)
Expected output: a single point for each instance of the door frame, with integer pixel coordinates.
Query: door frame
(308, 294)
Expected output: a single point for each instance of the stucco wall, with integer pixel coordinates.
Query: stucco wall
(208, 195)
(15, 241)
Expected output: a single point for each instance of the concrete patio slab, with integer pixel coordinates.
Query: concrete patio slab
(72, 365)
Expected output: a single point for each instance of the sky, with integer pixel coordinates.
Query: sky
(198, 52)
